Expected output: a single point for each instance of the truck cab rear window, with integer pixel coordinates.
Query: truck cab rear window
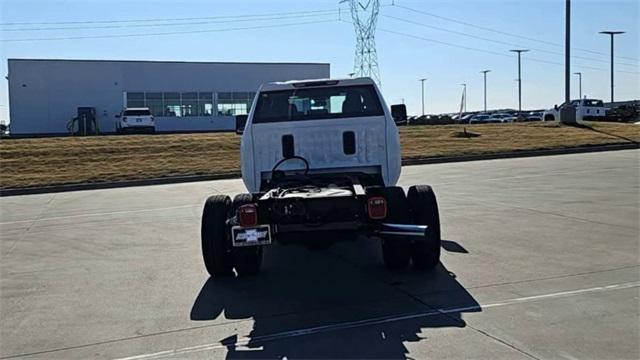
(317, 103)
(137, 113)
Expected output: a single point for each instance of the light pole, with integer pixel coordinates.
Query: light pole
(567, 112)
(579, 84)
(484, 72)
(422, 81)
(567, 52)
(611, 34)
(464, 97)
(519, 52)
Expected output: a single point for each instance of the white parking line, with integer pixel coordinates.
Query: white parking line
(98, 214)
(244, 341)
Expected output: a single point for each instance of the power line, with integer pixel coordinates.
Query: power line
(489, 51)
(441, 42)
(165, 19)
(496, 41)
(221, 21)
(503, 32)
(168, 33)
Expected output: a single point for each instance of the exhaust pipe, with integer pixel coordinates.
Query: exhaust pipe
(402, 230)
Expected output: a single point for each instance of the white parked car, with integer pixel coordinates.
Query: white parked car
(501, 118)
(586, 109)
(135, 119)
(509, 117)
(320, 159)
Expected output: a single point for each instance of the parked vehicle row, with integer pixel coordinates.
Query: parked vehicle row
(497, 118)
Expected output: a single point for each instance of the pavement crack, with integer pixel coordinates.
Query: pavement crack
(549, 213)
(504, 342)
(44, 208)
(465, 324)
(563, 276)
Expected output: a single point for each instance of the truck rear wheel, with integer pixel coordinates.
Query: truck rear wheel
(396, 251)
(216, 244)
(425, 254)
(247, 260)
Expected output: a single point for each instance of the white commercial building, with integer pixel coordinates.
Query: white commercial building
(44, 95)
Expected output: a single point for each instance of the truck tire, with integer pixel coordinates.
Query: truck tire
(424, 207)
(247, 260)
(396, 251)
(216, 244)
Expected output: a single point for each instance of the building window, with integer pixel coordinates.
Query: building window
(175, 104)
(153, 100)
(135, 99)
(190, 104)
(234, 103)
(205, 102)
(172, 104)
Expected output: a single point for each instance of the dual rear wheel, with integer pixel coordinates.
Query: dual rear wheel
(418, 207)
(220, 257)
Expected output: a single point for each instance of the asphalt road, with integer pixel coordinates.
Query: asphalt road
(541, 261)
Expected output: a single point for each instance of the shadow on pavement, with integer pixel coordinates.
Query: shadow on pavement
(317, 291)
(452, 246)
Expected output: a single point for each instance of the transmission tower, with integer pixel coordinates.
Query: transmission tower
(364, 15)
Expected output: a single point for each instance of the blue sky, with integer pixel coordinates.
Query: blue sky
(403, 59)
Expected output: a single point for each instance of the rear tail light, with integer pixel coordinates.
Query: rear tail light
(377, 208)
(247, 215)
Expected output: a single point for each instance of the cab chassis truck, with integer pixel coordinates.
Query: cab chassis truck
(321, 159)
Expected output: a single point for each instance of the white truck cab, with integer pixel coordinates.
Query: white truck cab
(341, 126)
(320, 159)
(135, 119)
(586, 109)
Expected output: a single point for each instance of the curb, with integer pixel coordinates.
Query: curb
(424, 161)
(523, 153)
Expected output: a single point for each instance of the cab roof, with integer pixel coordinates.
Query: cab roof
(298, 84)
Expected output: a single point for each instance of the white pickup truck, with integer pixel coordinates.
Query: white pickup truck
(586, 109)
(320, 159)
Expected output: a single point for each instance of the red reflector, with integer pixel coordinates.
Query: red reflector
(247, 215)
(377, 208)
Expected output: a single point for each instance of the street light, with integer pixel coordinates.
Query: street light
(519, 52)
(579, 83)
(464, 97)
(611, 34)
(484, 72)
(422, 81)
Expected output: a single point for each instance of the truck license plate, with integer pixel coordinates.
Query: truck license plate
(259, 235)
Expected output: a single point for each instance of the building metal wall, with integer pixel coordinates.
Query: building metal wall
(45, 94)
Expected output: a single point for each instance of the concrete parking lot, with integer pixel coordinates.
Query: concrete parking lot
(541, 260)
